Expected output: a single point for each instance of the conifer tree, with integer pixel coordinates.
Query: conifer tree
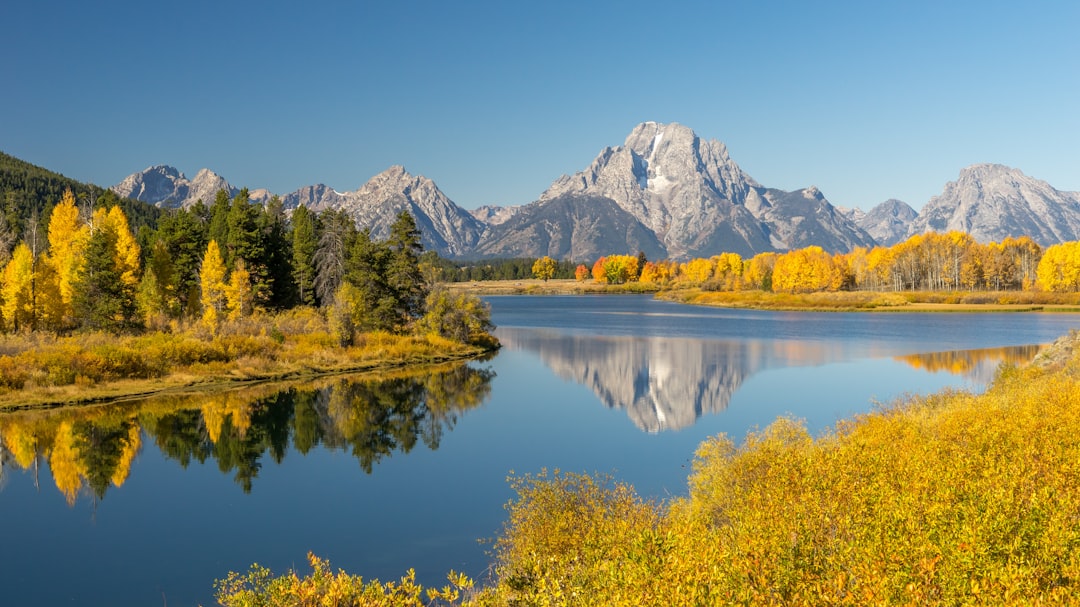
(403, 276)
(303, 255)
(183, 235)
(103, 299)
(276, 243)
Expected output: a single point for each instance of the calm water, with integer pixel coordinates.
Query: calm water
(147, 503)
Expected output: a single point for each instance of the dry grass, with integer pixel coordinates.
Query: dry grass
(38, 370)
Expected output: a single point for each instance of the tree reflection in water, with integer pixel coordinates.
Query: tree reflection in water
(91, 449)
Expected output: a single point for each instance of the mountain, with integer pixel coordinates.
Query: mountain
(570, 227)
(888, 223)
(445, 227)
(164, 186)
(698, 202)
(993, 202)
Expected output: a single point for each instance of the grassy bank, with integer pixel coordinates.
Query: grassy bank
(840, 301)
(945, 500)
(860, 301)
(44, 370)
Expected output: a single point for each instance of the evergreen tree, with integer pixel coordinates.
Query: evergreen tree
(218, 218)
(403, 276)
(277, 244)
(372, 300)
(184, 237)
(303, 255)
(102, 298)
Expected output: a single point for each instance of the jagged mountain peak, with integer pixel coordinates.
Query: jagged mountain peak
(993, 202)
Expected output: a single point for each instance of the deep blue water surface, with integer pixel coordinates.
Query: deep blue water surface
(411, 473)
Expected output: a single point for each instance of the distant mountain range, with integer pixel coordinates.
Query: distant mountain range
(665, 192)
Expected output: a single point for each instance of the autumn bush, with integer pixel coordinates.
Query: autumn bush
(948, 499)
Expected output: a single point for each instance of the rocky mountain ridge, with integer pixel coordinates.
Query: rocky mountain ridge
(665, 192)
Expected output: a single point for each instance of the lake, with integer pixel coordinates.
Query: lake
(146, 503)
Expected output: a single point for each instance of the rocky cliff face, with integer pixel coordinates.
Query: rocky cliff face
(665, 192)
(698, 202)
(993, 202)
(888, 223)
(167, 187)
(570, 226)
(445, 227)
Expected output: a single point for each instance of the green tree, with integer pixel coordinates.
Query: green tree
(304, 244)
(103, 299)
(403, 276)
(276, 241)
(184, 236)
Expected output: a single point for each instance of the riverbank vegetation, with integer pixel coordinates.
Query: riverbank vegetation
(231, 292)
(947, 499)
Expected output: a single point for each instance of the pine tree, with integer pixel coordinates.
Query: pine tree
(403, 276)
(183, 235)
(303, 255)
(102, 298)
(277, 247)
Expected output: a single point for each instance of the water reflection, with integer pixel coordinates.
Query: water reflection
(977, 365)
(89, 450)
(668, 383)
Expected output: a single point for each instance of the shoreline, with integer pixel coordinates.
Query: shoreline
(841, 301)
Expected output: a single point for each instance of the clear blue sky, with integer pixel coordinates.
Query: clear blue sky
(867, 100)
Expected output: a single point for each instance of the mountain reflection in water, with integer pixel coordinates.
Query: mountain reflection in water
(89, 449)
(668, 383)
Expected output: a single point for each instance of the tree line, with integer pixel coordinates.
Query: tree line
(950, 261)
(86, 269)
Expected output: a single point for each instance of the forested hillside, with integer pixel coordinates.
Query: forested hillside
(28, 191)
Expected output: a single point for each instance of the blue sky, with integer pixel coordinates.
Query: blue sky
(867, 100)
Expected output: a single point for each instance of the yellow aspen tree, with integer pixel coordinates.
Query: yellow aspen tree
(544, 268)
(65, 463)
(696, 270)
(68, 239)
(22, 442)
(132, 444)
(239, 294)
(18, 306)
(212, 284)
(1059, 269)
(759, 270)
(127, 249)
